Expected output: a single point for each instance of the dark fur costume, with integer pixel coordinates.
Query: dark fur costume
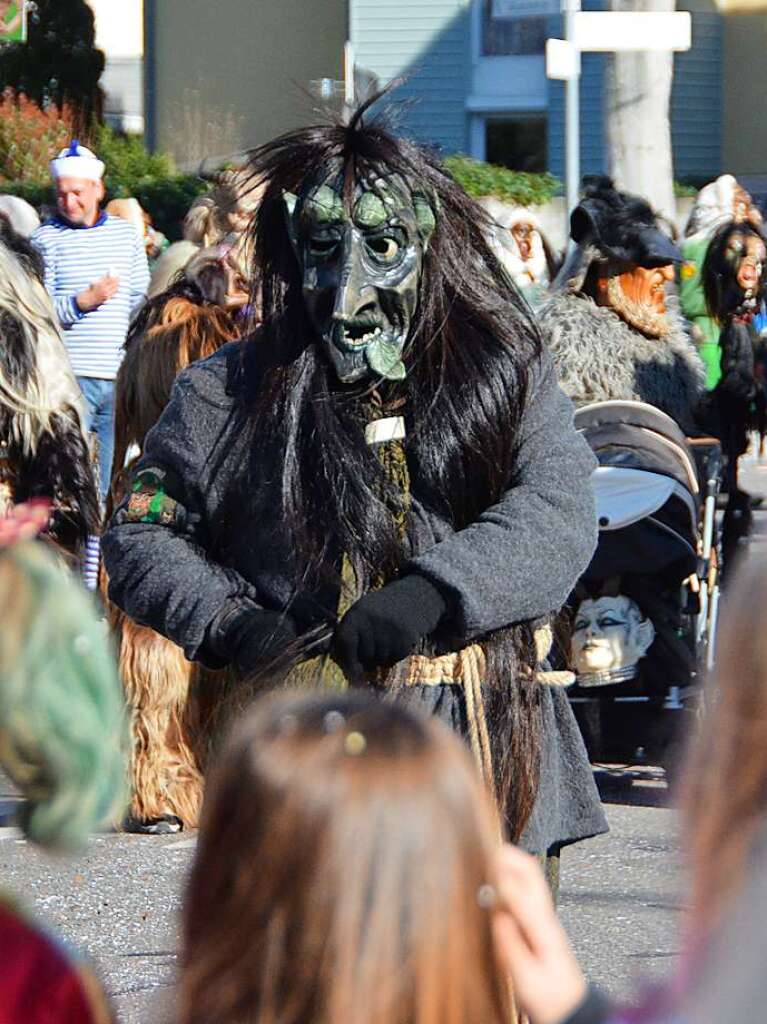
(277, 487)
(161, 687)
(43, 450)
(600, 357)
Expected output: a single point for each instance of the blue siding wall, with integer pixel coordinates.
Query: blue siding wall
(429, 40)
(696, 101)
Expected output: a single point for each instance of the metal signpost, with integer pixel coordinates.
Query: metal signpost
(606, 32)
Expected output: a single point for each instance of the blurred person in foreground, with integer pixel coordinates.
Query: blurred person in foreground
(61, 743)
(720, 977)
(358, 875)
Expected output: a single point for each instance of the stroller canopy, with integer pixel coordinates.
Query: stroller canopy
(646, 489)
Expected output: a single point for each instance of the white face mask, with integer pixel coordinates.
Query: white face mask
(610, 635)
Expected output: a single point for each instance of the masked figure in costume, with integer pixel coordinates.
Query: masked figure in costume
(518, 240)
(609, 329)
(719, 203)
(734, 279)
(382, 486)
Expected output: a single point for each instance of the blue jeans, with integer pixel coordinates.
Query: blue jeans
(99, 398)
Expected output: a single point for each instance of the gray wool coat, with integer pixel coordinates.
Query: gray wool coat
(599, 357)
(518, 561)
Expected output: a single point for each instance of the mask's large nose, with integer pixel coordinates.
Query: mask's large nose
(355, 293)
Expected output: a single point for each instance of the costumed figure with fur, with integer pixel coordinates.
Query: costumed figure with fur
(44, 451)
(721, 202)
(178, 327)
(382, 486)
(517, 238)
(608, 327)
(734, 280)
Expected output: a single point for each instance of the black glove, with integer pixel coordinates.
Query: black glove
(247, 637)
(386, 626)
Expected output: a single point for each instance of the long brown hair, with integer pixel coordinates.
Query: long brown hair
(725, 797)
(343, 845)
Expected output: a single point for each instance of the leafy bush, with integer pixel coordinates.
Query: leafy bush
(168, 199)
(29, 137)
(128, 162)
(481, 179)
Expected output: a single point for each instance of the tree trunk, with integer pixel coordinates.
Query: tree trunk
(639, 155)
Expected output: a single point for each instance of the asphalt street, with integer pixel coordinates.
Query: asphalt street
(118, 902)
(622, 895)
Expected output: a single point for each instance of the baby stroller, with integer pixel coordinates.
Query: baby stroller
(651, 592)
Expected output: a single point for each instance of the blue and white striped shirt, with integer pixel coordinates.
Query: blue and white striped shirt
(75, 257)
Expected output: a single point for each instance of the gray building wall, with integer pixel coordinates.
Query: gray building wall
(430, 42)
(221, 77)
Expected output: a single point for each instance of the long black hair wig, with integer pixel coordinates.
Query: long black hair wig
(724, 297)
(472, 349)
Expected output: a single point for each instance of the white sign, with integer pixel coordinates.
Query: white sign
(563, 60)
(620, 31)
(524, 8)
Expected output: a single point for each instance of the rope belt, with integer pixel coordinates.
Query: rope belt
(464, 668)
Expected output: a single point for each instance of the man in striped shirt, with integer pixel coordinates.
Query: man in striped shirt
(96, 273)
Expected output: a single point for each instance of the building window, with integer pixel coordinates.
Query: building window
(518, 143)
(505, 36)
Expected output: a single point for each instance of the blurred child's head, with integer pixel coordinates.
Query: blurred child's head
(339, 873)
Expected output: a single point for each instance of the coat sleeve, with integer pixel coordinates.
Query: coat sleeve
(155, 546)
(522, 557)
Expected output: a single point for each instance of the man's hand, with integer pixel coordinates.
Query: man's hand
(98, 293)
(386, 626)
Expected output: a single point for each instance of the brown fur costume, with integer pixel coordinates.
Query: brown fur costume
(174, 329)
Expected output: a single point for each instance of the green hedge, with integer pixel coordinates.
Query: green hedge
(521, 188)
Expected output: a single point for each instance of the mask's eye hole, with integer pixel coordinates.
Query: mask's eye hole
(384, 248)
(323, 247)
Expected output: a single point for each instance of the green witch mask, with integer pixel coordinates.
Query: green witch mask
(361, 265)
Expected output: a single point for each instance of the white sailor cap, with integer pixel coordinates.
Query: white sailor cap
(77, 162)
